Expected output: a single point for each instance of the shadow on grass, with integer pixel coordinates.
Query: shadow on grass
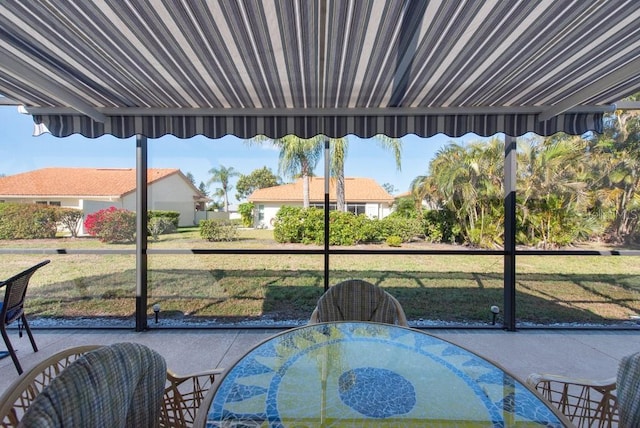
(284, 295)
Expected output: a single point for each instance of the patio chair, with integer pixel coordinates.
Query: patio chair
(12, 309)
(183, 395)
(585, 402)
(596, 403)
(117, 385)
(20, 394)
(358, 300)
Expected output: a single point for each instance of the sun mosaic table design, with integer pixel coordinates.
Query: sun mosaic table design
(368, 374)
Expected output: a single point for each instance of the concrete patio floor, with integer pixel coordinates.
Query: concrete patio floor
(591, 354)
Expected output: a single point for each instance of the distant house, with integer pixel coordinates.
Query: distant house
(93, 189)
(403, 195)
(362, 196)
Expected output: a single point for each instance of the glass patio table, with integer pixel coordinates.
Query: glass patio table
(368, 374)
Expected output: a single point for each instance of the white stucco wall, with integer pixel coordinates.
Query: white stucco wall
(270, 211)
(385, 210)
(172, 193)
(64, 202)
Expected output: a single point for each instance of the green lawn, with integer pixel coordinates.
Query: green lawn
(440, 288)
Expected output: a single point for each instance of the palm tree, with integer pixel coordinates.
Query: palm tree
(467, 180)
(222, 175)
(552, 183)
(298, 157)
(339, 148)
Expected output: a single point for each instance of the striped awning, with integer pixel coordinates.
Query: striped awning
(309, 67)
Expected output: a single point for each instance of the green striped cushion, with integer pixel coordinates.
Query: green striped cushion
(628, 390)
(114, 386)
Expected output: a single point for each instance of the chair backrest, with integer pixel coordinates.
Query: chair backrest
(358, 300)
(628, 386)
(22, 392)
(16, 289)
(117, 385)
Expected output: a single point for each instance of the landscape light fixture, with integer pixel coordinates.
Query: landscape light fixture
(156, 310)
(494, 311)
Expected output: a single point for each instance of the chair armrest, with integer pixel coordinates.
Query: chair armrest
(313, 319)
(585, 402)
(183, 395)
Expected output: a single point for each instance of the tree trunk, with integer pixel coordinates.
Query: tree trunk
(340, 202)
(305, 191)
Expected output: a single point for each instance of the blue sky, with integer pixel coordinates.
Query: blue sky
(20, 151)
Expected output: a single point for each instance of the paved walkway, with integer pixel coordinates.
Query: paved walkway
(586, 354)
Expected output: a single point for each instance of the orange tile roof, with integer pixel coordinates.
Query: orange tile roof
(403, 195)
(355, 190)
(77, 181)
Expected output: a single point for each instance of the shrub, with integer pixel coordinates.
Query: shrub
(346, 228)
(299, 225)
(70, 218)
(341, 231)
(112, 225)
(406, 228)
(246, 213)
(440, 226)
(159, 225)
(172, 216)
(288, 224)
(218, 230)
(394, 241)
(27, 221)
(406, 208)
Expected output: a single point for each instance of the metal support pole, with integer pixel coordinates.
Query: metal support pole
(510, 233)
(327, 173)
(141, 233)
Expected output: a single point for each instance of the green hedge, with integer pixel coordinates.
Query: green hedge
(218, 230)
(306, 226)
(27, 221)
(173, 216)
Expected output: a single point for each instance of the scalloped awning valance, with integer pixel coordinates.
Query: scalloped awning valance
(308, 67)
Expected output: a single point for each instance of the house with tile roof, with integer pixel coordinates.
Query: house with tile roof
(362, 196)
(93, 189)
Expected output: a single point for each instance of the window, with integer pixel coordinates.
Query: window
(260, 213)
(332, 207)
(54, 203)
(357, 209)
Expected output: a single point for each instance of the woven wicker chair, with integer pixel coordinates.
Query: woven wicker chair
(116, 385)
(12, 309)
(586, 403)
(358, 300)
(182, 395)
(21, 393)
(592, 403)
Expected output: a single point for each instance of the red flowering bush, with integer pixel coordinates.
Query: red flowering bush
(112, 225)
